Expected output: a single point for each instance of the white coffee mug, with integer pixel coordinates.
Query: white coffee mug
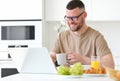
(61, 58)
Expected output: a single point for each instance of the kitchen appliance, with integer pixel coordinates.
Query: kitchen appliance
(18, 33)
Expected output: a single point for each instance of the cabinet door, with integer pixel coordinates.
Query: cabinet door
(20, 9)
(88, 7)
(106, 9)
(55, 9)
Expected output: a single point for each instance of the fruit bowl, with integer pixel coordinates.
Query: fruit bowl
(113, 74)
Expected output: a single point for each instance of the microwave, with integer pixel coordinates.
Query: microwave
(21, 32)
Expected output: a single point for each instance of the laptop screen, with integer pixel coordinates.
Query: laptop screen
(32, 60)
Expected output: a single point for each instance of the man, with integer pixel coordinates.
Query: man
(81, 41)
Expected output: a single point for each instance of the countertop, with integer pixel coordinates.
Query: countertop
(50, 77)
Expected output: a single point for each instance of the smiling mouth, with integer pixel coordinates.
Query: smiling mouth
(73, 26)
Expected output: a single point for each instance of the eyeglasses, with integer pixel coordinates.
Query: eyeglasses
(73, 18)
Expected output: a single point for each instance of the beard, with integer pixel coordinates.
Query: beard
(76, 27)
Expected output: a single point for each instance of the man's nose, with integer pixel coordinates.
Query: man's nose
(71, 22)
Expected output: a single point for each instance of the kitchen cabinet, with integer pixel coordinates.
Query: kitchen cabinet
(88, 7)
(55, 9)
(107, 10)
(98, 10)
(20, 9)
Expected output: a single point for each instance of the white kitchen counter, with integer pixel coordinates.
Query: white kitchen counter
(51, 77)
(44, 77)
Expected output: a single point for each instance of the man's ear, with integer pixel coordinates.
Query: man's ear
(85, 14)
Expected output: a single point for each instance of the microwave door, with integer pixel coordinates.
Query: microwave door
(18, 33)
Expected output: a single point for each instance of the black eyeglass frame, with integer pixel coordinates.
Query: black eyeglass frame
(73, 18)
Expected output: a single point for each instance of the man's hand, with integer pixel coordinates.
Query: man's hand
(74, 57)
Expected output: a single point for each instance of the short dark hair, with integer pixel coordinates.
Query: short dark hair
(74, 4)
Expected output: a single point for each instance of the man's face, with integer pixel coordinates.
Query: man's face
(75, 19)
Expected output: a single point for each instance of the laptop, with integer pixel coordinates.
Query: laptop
(32, 60)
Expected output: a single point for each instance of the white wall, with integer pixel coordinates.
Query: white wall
(110, 30)
(50, 34)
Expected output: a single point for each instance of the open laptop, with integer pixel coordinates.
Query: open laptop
(32, 60)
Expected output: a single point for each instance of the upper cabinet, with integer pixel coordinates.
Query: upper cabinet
(105, 10)
(98, 10)
(20, 9)
(55, 9)
(88, 8)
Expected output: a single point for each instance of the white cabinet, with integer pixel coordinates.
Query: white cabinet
(55, 9)
(20, 9)
(98, 10)
(106, 10)
(88, 7)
